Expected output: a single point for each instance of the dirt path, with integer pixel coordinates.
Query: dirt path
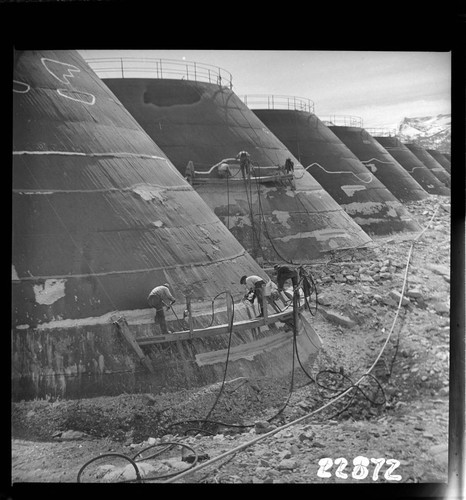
(407, 420)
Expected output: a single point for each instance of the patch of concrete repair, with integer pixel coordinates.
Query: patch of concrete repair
(14, 274)
(50, 291)
(369, 208)
(349, 189)
(319, 235)
(149, 193)
(282, 217)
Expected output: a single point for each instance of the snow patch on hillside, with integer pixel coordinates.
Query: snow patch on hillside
(430, 132)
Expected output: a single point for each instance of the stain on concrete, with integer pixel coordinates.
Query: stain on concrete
(50, 291)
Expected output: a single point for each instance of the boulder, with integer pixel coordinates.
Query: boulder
(287, 464)
(439, 269)
(335, 317)
(395, 295)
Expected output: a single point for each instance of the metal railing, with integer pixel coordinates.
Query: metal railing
(131, 67)
(342, 120)
(382, 132)
(266, 101)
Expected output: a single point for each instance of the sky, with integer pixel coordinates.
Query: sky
(380, 87)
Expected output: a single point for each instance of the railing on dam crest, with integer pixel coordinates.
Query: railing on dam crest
(266, 101)
(342, 121)
(131, 67)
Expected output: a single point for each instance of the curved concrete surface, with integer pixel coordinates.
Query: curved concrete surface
(404, 157)
(431, 163)
(100, 214)
(100, 217)
(206, 123)
(341, 173)
(441, 158)
(372, 154)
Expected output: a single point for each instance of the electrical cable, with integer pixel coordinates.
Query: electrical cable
(354, 386)
(333, 400)
(224, 424)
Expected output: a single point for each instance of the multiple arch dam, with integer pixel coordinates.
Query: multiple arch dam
(353, 185)
(123, 183)
(413, 165)
(290, 218)
(101, 216)
(431, 163)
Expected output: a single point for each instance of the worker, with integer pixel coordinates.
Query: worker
(159, 298)
(224, 170)
(189, 172)
(285, 273)
(289, 166)
(244, 163)
(255, 289)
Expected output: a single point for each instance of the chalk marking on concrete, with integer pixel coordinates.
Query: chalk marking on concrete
(69, 68)
(28, 87)
(371, 177)
(380, 161)
(71, 94)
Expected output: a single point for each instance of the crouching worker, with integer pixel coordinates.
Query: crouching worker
(255, 289)
(159, 298)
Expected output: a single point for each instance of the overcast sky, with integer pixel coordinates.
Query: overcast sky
(380, 87)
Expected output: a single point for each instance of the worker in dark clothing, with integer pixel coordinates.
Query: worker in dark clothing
(289, 166)
(244, 163)
(189, 172)
(285, 273)
(255, 289)
(159, 298)
(306, 283)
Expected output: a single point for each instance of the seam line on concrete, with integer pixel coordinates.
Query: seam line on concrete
(69, 276)
(78, 153)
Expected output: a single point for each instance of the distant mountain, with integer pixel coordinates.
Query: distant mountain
(430, 132)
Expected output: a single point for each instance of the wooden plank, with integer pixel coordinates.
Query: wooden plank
(122, 323)
(262, 179)
(215, 330)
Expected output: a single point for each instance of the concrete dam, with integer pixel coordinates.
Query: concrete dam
(356, 188)
(411, 163)
(372, 154)
(431, 163)
(100, 217)
(199, 121)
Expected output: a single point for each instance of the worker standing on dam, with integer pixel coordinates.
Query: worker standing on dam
(159, 298)
(255, 289)
(289, 166)
(244, 163)
(189, 172)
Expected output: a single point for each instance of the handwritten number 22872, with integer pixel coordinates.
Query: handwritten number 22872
(360, 468)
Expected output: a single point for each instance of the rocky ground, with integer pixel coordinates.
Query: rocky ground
(398, 417)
